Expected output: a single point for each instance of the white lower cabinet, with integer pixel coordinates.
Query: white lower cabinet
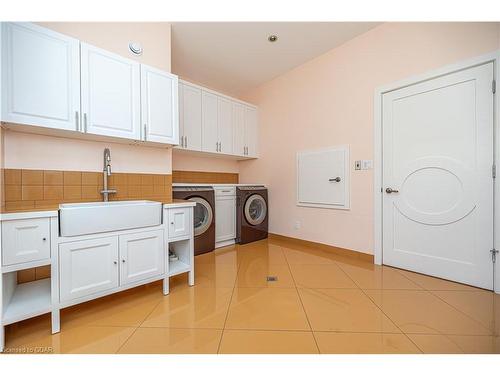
(88, 267)
(180, 223)
(141, 256)
(25, 240)
(225, 216)
(92, 266)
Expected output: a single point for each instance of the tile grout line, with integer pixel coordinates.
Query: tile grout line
(230, 300)
(432, 292)
(139, 325)
(460, 311)
(382, 311)
(300, 299)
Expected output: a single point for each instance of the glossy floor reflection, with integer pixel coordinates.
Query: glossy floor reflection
(320, 303)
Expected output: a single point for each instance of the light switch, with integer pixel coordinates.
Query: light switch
(366, 164)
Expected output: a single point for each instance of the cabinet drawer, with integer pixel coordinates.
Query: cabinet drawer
(180, 222)
(226, 191)
(25, 240)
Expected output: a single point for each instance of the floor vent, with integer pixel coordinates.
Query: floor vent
(272, 278)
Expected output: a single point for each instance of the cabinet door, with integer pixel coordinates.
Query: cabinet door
(111, 101)
(180, 222)
(191, 117)
(225, 219)
(251, 131)
(225, 125)
(41, 77)
(25, 240)
(141, 256)
(159, 106)
(209, 135)
(88, 267)
(239, 144)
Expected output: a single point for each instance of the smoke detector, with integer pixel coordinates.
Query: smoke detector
(135, 48)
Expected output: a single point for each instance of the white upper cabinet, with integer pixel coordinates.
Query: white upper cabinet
(215, 123)
(190, 116)
(225, 126)
(159, 102)
(210, 139)
(251, 131)
(40, 77)
(110, 86)
(239, 142)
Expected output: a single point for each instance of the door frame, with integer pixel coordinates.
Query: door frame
(493, 57)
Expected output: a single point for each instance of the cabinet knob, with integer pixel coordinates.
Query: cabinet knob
(171, 223)
(123, 260)
(44, 239)
(115, 262)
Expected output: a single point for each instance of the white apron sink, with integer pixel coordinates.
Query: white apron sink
(76, 219)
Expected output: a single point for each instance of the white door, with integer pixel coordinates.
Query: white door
(239, 143)
(251, 131)
(210, 138)
(190, 116)
(159, 106)
(225, 125)
(141, 256)
(88, 267)
(225, 218)
(438, 156)
(41, 77)
(180, 222)
(111, 102)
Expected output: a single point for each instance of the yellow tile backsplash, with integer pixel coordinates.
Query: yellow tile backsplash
(34, 189)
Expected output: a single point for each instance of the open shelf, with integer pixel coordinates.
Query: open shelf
(28, 300)
(176, 267)
(183, 250)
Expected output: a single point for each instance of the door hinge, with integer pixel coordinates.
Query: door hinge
(494, 253)
(494, 171)
(494, 86)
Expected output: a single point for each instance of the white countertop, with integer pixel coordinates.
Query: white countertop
(214, 185)
(26, 214)
(179, 203)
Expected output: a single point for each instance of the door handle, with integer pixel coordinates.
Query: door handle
(77, 119)
(336, 179)
(85, 122)
(390, 190)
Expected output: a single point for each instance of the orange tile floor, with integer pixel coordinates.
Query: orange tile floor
(320, 303)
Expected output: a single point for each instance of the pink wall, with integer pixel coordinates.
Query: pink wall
(329, 101)
(44, 152)
(181, 161)
(32, 151)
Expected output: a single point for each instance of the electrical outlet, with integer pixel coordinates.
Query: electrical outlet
(357, 165)
(297, 224)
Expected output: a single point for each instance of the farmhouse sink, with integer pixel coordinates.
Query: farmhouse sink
(77, 219)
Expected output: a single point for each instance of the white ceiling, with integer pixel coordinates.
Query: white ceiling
(234, 57)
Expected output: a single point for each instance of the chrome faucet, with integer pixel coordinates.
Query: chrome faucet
(105, 173)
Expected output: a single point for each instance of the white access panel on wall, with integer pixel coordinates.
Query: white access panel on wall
(323, 178)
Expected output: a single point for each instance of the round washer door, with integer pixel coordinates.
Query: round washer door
(202, 215)
(255, 209)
